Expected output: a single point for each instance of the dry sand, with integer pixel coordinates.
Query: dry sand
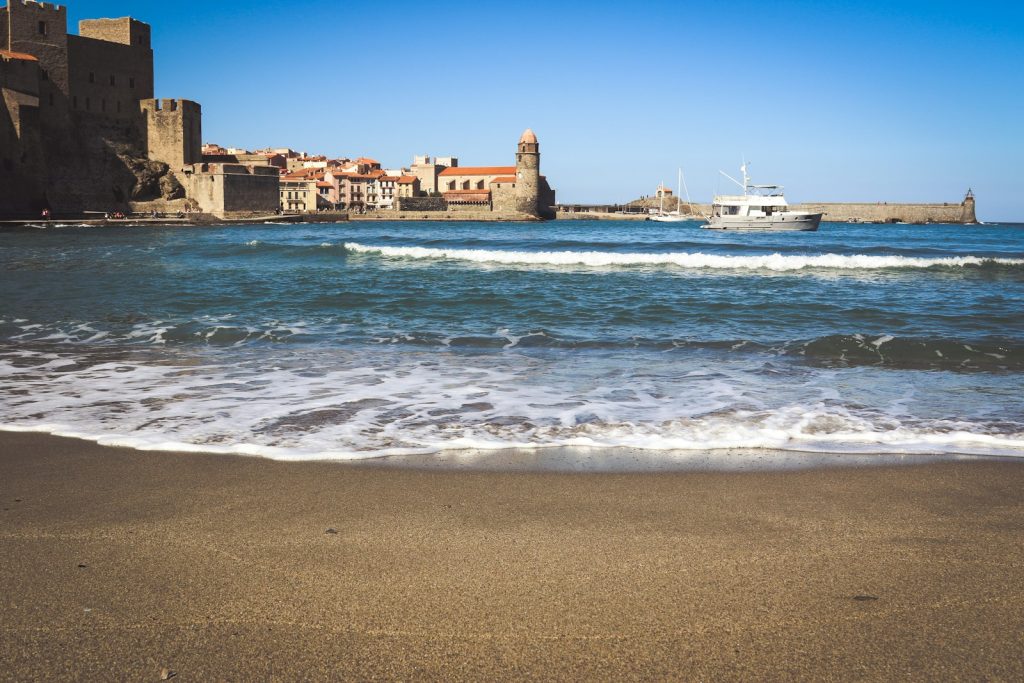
(117, 565)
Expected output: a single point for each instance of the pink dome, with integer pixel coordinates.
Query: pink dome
(528, 137)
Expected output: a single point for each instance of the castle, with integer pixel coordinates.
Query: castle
(80, 130)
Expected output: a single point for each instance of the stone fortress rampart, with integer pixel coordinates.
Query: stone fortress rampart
(80, 127)
(883, 212)
(232, 189)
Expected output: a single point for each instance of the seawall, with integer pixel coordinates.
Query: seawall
(881, 212)
(460, 215)
(840, 212)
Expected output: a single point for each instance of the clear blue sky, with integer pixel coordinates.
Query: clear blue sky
(874, 101)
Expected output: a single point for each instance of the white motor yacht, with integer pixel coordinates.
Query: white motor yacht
(760, 207)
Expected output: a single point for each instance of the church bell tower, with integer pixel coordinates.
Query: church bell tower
(528, 174)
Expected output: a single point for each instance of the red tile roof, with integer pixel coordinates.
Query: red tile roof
(479, 170)
(407, 179)
(17, 55)
(307, 173)
(504, 179)
(480, 192)
(367, 160)
(324, 183)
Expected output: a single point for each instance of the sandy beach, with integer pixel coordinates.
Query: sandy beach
(121, 565)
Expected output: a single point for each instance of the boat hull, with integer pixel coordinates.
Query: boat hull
(807, 222)
(671, 219)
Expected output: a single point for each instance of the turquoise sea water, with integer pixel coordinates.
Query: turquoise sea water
(365, 339)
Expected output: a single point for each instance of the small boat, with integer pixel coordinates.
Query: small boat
(673, 216)
(760, 207)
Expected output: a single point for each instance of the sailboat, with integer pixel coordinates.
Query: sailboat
(677, 215)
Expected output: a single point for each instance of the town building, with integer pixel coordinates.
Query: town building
(427, 170)
(408, 186)
(387, 190)
(300, 195)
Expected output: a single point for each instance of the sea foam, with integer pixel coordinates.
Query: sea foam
(692, 260)
(313, 405)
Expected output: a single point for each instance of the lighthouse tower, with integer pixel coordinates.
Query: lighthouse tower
(528, 174)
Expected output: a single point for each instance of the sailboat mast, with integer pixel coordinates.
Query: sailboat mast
(679, 189)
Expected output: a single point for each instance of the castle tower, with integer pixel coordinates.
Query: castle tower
(528, 174)
(41, 30)
(173, 131)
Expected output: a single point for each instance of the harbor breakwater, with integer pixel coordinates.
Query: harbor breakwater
(962, 212)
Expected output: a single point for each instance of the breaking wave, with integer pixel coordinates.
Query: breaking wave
(360, 404)
(692, 260)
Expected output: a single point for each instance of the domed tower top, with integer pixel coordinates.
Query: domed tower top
(528, 143)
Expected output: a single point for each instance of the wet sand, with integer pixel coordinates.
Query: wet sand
(117, 565)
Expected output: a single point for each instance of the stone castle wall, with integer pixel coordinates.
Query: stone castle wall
(126, 31)
(223, 190)
(21, 161)
(40, 29)
(257, 190)
(103, 142)
(173, 131)
(421, 204)
(109, 78)
(503, 198)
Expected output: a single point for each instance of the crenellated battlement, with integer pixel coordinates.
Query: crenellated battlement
(43, 6)
(167, 105)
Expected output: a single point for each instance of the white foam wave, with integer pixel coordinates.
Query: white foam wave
(361, 404)
(694, 260)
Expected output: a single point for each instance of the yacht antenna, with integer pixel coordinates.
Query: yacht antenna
(734, 180)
